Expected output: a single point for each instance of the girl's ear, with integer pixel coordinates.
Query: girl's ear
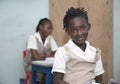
(89, 26)
(40, 26)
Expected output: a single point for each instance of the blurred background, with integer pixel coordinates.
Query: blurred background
(19, 18)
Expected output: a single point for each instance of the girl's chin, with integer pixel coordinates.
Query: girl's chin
(46, 36)
(80, 42)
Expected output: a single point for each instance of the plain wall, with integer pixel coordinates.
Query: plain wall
(116, 40)
(18, 19)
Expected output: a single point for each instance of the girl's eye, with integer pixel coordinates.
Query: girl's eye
(74, 30)
(83, 27)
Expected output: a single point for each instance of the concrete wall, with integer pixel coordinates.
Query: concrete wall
(116, 40)
(18, 19)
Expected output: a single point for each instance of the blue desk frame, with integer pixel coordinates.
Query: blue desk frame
(42, 69)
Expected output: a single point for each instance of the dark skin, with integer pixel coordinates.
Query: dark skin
(44, 31)
(78, 30)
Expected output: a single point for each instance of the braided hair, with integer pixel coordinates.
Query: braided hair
(42, 22)
(72, 13)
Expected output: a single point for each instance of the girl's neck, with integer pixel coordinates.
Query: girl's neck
(43, 38)
(82, 46)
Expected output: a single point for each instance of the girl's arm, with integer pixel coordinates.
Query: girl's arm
(52, 54)
(58, 78)
(36, 56)
(99, 79)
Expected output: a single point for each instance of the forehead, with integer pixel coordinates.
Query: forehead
(77, 21)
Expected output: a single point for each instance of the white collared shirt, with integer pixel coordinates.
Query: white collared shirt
(32, 44)
(61, 57)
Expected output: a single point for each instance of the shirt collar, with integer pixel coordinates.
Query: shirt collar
(71, 44)
(38, 36)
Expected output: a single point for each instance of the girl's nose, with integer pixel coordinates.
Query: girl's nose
(79, 32)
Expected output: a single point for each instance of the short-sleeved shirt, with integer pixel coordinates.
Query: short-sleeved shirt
(32, 44)
(61, 57)
(35, 42)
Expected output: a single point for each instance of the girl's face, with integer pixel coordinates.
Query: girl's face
(45, 29)
(78, 30)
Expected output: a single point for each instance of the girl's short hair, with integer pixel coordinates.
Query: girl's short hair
(42, 22)
(72, 13)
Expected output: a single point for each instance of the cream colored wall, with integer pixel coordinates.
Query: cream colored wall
(101, 18)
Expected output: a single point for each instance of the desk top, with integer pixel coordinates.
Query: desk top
(47, 62)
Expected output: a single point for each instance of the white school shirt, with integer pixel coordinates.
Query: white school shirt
(32, 44)
(61, 57)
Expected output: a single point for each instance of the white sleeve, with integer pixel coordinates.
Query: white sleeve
(53, 43)
(99, 67)
(59, 61)
(31, 43)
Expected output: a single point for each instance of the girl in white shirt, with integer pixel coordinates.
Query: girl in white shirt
(41, 44)
(77, 62)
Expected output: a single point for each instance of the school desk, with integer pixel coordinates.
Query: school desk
(42, 67)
